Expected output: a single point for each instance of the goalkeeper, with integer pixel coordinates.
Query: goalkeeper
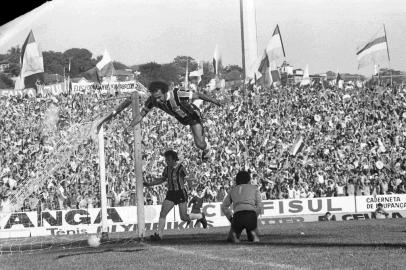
(246, 201)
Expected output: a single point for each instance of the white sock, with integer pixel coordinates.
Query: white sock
(161, 227)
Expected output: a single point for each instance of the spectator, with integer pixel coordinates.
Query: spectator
(327, 217)
(380, 213)
(384, 187)
(350, 188)
(347, 138)
(339, 190)
(221, 194)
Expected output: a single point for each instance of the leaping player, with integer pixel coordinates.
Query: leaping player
(175, 102)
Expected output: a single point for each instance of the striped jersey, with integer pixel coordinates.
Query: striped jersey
(175, 176)
(176, 103)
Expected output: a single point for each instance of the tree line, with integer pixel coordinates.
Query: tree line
(81, 60)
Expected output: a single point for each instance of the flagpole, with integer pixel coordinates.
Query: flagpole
(242, 41)
(69, 90)
(283, 47)
(186, 82)
(387, 49)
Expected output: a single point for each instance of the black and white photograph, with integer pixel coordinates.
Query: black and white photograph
(203, 134)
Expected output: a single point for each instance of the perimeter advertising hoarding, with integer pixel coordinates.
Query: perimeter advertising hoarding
(121, 219)
(395, 202)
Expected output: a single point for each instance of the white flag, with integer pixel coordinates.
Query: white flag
(374, 52)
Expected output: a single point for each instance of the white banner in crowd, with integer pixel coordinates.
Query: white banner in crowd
(105, 87)
(121, 219)
(77, 88)
(396, 202)
(17, 93)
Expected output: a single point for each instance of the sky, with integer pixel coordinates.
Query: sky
(324, 34)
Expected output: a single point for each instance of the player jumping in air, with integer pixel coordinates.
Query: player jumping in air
(175, 102)
(174, 174)
(197, 203)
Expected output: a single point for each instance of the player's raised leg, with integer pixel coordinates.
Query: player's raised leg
(200, 140)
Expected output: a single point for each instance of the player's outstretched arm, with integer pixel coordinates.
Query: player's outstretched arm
(100, 121)
(258, 203)
(157, 181)
(138, 119)
(207, 98)
(225, 207)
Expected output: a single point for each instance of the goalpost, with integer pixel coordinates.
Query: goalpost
(103, 194)
(138, 174)
(138, 166)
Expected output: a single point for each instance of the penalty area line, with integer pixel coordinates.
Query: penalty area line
(224, 259)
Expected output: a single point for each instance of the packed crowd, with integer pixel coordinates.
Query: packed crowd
(354, 144)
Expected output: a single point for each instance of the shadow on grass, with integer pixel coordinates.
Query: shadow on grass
(215, 239)
(269, 240)
(99, 251)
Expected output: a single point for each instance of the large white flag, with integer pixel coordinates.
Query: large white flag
(216, 60)
(306, 77)
(375, 52)
(105, 67)
(275, 49)
(31, 60)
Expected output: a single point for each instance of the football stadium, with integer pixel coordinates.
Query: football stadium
(218, 149)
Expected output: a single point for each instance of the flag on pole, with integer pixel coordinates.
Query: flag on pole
(268, 76)
(374, 52)
(105, 67)
(339, 81)
(297, 146)
(216, 60)
(263, 64)
(376, 70)
(268, 63)
(31, 60)
(338, 77)
(306, 77)
(275, 49)
(198, 73)
(200, 67)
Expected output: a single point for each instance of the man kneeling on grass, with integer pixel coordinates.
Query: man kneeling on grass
(247, 205)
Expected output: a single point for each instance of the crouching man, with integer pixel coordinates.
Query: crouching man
(245, 200)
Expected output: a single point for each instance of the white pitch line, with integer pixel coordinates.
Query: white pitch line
(233, 260)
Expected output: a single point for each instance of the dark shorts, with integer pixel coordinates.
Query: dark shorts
(176, 196)
(244, 220)
(192, 118)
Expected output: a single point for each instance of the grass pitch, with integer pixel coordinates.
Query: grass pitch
(361, 244)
